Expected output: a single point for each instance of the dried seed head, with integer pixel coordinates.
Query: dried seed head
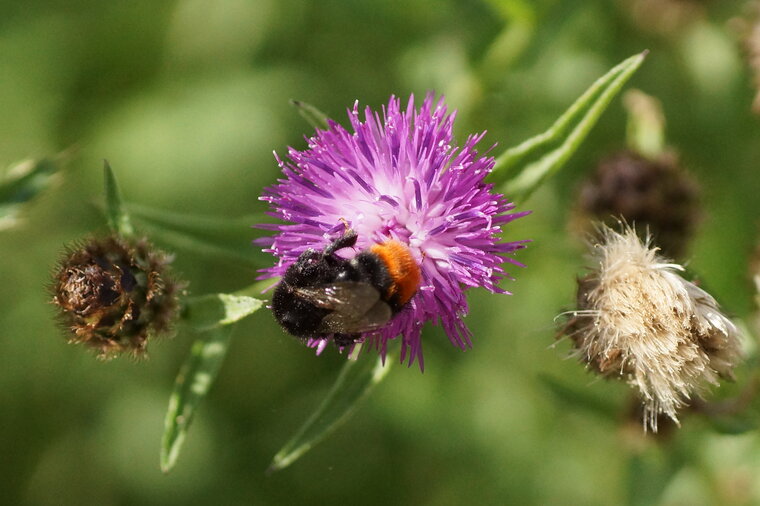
(638, 320)
(114, 294)
(658, 196)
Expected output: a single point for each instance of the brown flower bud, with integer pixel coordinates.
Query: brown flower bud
(657, 197)
(114, 294)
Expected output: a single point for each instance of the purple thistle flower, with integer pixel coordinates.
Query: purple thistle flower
(397, 176)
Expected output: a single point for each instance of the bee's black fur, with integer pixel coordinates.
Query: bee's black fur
(312, 269)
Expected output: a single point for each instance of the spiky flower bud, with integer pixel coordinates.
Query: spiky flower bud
(657, 196)
(114, 293)
(638, 320)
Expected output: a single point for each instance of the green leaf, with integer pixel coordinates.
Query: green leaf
(118, 219)
(735, 424)
(214, 310)
(570, 130)
(649, 474)
(192, 384)
(354, 383)
(314, 116)
(577, 398)
(21, 184)
(228, 238)
(213, 314)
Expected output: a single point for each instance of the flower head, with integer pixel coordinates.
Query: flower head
(640, 321)
(114, 294)
(397, 176)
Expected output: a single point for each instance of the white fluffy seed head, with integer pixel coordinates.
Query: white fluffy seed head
(639, 320)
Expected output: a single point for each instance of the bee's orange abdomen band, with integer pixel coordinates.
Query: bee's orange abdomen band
(402, 269)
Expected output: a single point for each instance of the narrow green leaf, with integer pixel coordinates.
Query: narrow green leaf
(314, 116)
(194, 223)
(118, 219)
(354, 383)
(228, 238)
(570, 130)
(213, 310)
(649, 473)
(735, 424)
(514, 155)
(21, 184)
(579, 398)
(193, 382)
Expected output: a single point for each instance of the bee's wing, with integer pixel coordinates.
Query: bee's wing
(355, 307)
(352, 323)
(343, 296)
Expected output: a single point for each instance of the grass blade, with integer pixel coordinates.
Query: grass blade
(118, 219)
(222, 237)
(570, 130)
(21, 184)
(354, 383)
(192, 384)
(314, 116)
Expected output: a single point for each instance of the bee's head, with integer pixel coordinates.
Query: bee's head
(312, 268)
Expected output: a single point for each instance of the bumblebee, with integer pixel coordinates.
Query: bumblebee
(323, 295)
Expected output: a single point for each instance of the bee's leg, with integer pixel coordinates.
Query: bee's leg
(343, 340)
(347, 240)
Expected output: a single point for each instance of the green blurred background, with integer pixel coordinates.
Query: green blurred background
(187, 100)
